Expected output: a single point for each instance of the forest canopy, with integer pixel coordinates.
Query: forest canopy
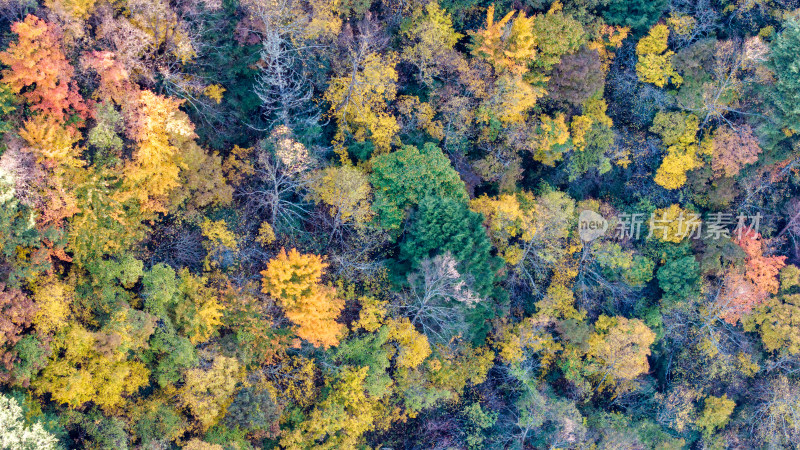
(431, 224)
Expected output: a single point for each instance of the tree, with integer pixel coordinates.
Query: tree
(446, 225)
(716, 414)
(438, 298)
(679, 279)
(53, 299)
(778, 318)
(398, 182)
(431, 38)
(576, 77)
(16, 434)
(678, 132)
(733, 149)
(747, 287)
(510, 220)
(786, 94)
(185, 301)
(358, 102)
(509, 46)
(639, 15)
(346, 192)
(341, 419)
(550, 140)
(655, 60)
(556, 34)
(294, 280)
(36, 60)
(207, 391)
(16, 314)
(154, 171)
(618, 349)
(84, 368)
(774, 415)
(510, 100)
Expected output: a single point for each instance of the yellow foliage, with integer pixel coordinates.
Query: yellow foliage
(53, 299)
(679, 132)
(681, 24)
(530, 335)
(421, 114)
(207, 393)
(218, 234)
(341, 419)
(359, 103)
(52, 142)
(154, 171)
(200, 315)
(78, 373)
(295, 381)
(655, 60)
(619, 348)
(507, 221)
(432, 35)
(345, 190)
(550, 139)
(413, 346)
(511, 99)
(197, 444)
(294, 280)
(372, 315)
(607, 39)
(558, 304)
(214, 92)
(266, 235)
(672, 224)
(78, 9)
(508, 48)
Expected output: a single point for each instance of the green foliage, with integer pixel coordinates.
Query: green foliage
(679, 279)
(639, 15)
(444, 225)
(402, 179)
(786, 96)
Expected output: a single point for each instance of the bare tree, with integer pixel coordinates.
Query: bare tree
(281, 171)
(437, 298)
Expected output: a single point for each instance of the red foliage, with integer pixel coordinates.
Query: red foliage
(16, 314)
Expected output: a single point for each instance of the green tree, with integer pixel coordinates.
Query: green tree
(786, 94)
(401, 179)
(444, 225)
(639, 15)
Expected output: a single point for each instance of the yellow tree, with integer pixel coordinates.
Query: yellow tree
(431, 39)
(359, 102)
(345, 190)
(84, 369)
(618, 349)
(655, 60)
(510, 219)
(550, 140)
(154, 171)
(293, 279)
(508, 45)
(207, 392)
(340, 420)
(678, 133)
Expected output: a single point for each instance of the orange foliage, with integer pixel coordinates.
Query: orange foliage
(745, 289)
(37, 61)
(761, 270)
(294, 280)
